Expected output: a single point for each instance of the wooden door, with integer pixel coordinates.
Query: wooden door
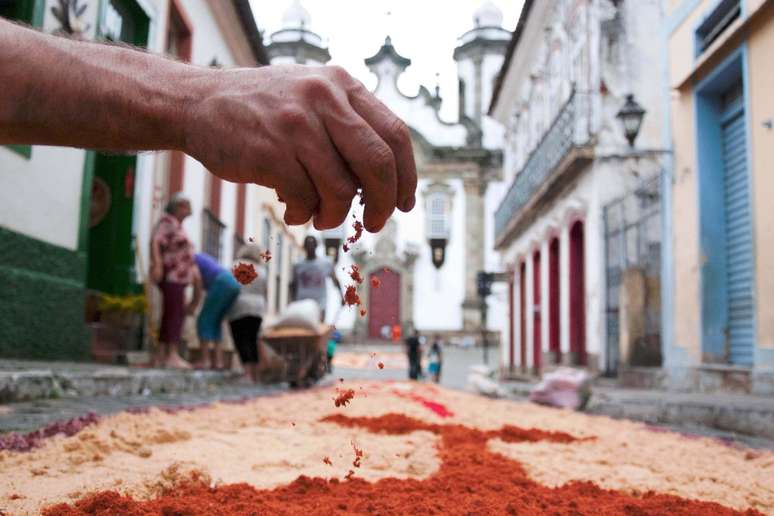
(383, 302)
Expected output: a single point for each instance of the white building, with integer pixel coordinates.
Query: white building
(569, 67)
(77, 223)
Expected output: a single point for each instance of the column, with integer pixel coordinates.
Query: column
(528, 313)
(474, 251)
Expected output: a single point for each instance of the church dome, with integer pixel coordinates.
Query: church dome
(296, 17)
(488, 15)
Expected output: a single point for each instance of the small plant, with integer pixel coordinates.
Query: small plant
(127, 304)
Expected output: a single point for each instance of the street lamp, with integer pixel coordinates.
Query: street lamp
(631, 115)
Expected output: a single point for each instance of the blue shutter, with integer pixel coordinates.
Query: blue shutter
(739, 242)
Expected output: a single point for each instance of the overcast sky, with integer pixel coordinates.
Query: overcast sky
(425, 31)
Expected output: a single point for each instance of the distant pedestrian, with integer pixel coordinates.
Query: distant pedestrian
(222, 290)
(333, 341)
(310, 275)
(246, 314)
(435, 359)
(413, 351)
(395, 332)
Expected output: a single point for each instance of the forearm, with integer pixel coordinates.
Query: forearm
(73, 93)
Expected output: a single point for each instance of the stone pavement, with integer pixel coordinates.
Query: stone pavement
(31, 415)
(38, 393)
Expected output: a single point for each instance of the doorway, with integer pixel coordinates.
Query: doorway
(553, 301)
(110, 248)
(577, 296)
(383, 303)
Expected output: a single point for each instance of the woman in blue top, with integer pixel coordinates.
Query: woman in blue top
(222, 290)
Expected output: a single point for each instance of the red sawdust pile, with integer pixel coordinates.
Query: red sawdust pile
(244, 273)
(470, 480)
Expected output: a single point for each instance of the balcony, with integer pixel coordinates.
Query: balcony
(565, 148)
(212, 234)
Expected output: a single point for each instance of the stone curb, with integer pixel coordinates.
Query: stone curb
(742, 414)
(34, 384)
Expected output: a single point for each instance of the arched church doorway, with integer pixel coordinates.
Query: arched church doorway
(383, 303)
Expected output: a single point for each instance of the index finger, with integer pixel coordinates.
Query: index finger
(396, 134)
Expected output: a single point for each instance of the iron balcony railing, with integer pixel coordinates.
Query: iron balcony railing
(570, 129)
(212, 234)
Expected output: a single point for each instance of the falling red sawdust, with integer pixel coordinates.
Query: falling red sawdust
(380, 365)
(327, 460)
(470, 480)
(358, 455)
(343, 397)
(363, 312)
(351, 296)
(354, 273)
(244, 273)
(266, 256)
(354, 238)
(375, 282)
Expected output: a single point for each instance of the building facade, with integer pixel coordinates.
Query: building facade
(719, 325)
(75, 224)
(569, 70)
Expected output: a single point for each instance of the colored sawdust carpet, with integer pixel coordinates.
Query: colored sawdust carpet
(397, 448)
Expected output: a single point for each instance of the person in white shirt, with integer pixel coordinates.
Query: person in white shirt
(309, 277)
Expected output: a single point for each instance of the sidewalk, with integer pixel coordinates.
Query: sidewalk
(22, 380)
(742, 414)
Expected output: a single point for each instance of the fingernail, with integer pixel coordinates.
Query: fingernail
(408, 203)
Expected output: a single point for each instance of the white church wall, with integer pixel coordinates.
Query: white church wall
(438, 293)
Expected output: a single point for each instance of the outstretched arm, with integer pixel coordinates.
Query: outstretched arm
(315, 134)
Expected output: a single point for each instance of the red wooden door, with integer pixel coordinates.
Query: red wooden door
(537, 346)
(577, 295)
(383, 302)
(553, 300)
(523, 315)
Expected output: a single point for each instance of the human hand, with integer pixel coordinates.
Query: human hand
(314, 134)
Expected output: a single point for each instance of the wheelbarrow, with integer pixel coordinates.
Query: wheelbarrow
(303, 350)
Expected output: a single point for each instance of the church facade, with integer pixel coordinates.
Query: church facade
(426, 260)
